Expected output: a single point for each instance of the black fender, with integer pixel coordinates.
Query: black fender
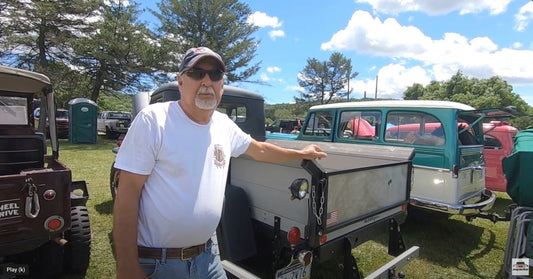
(235, 232)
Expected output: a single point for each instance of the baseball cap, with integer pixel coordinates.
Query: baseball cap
(194, 54)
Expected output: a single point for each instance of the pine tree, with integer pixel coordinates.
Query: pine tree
(218, 24)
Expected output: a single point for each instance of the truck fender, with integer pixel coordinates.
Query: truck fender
(235, 233)
(78, 193)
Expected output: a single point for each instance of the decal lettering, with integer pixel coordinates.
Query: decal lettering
(9, 209)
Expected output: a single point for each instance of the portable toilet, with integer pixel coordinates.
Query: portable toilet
(82, 120)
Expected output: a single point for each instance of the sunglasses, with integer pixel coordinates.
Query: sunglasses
(198, 74)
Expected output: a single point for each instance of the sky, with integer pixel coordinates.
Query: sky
(394, 42)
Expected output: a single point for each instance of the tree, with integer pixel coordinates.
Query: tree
(493, 92)
(120, 55)
(325, 80)
(40, 33)
(38, 36)
(414, 92)
(218, 24)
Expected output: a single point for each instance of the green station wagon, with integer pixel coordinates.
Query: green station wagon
(449, 166)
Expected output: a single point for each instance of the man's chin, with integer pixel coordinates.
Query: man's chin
(206, 104)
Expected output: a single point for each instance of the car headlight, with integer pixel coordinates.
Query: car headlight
(299, 188)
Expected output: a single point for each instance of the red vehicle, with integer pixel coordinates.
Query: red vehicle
(62, 122)
(498, 143)
(499, 140)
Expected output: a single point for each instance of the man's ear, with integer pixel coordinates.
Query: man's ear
(180, 81)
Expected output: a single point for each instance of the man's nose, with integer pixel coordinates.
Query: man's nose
(206, 80)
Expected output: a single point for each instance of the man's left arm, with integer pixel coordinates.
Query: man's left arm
(267, 152)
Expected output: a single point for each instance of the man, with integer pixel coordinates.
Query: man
(174, 164)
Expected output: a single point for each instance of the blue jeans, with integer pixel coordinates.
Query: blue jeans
(204, 266)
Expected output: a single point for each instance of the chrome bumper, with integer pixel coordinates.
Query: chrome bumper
(484, 202)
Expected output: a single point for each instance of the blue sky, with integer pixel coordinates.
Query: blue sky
(399, 41)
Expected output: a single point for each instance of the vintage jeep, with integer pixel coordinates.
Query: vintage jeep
(289, 220)
(44, 224)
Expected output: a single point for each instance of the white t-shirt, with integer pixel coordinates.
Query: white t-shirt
(187, 164)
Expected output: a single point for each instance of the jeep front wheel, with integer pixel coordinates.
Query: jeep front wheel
(78, 248)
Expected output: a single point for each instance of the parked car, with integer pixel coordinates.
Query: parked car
(44, 223)
(113, 123)
(62, 122)
(499, 141)
(284, 126)
(449, 164)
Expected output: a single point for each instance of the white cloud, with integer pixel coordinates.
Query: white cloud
(524, 16)
(264, 77)
(273, 69)
(263, 20)
(367, 34)
(295, 88)
(438, 7)
(517, 45)
(478, 57)
(275, 34)
(393, 80)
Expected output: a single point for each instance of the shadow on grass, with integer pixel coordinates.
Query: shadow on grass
(105, 207)
(445, 242)
(448, 242)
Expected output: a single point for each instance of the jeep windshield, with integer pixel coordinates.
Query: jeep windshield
(13, 110)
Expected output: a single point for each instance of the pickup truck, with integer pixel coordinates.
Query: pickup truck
(286, 220)
(113, 123)
(499, 142)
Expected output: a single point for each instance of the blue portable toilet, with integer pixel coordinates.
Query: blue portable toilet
(82, 120)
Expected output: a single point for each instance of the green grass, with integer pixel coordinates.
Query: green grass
(92, 162)
(449, 247)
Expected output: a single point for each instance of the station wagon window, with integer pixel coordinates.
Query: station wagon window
(359, 125)
(236, 112)
(417, 128)
(467, 135)
(319, 124)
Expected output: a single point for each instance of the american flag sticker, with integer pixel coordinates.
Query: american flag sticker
(331, 218)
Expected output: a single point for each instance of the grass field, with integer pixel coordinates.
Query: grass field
(449, 247)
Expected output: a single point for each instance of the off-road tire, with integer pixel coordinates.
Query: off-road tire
(77, 251)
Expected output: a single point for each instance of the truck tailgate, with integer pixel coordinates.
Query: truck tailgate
(353, 187)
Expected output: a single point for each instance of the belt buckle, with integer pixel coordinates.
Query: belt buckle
(182, 257)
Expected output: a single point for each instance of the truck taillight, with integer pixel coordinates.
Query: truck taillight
(294, 235)
(49, 195)
(323, 238)
(54, 223)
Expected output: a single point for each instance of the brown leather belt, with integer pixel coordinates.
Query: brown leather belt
(172, 253)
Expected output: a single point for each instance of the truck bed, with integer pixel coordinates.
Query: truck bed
(360, 185)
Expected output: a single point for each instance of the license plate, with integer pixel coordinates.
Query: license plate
(294, 271)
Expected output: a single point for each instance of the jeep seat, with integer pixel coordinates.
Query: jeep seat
(21, 152)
